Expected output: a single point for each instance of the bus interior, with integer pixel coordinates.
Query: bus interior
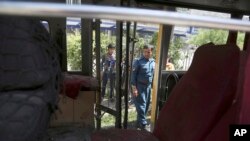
(51, 57)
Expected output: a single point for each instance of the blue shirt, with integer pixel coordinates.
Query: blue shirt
(143, 71)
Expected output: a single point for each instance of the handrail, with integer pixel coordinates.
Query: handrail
(119, 13)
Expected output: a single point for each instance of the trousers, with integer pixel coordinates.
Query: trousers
(142, 102)
(111, 77)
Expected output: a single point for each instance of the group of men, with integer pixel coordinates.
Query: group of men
(141, 81)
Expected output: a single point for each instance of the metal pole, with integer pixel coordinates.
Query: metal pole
(125, 122)
(119, 29)
(132, 49)
(86, 43)
(98, 69)
(163, 54)
(119, 13)
(166, 34)
(232, 35)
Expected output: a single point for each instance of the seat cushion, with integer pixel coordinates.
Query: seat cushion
(202, 95)
(29, 78)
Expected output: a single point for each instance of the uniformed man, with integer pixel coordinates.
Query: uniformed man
(142, 77)
(108, 73)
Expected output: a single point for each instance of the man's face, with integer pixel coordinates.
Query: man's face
(111, 51)
(147, 53)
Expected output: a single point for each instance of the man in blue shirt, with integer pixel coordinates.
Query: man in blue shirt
(142, 78)
(108, 73)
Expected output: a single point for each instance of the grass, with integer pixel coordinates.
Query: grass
(109, 120)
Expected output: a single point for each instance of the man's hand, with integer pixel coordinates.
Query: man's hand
(134, 91)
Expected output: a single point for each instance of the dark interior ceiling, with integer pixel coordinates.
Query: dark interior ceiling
(227, 6)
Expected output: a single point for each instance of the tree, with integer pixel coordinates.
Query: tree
(208, 35)
(213, 35)
(240, 39)
(105, 40)
(74, 53)
(74, 58)
(174, 50)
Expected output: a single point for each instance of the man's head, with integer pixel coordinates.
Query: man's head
(147, 51)
(111, 49)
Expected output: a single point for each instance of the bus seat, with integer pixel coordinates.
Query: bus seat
(197, 101)
(202, 95)
(239, 112)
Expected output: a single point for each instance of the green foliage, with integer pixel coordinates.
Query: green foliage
(213, 35)
(105, 40)
(208, 35)
(240, 39)
(74, 58)
(174, 51)
(74, 49)
(204, 36)
(154, 39)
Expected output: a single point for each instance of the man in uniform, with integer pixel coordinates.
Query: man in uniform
(108, 73)
(142, 77)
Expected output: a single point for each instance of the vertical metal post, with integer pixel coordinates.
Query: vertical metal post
(86, 37)
(127, 72)
(119, 29)
(161, 56)
(132, 49)
(134, 40)
(125, 121)
(232, 35)
(98, 69)
(167, 32)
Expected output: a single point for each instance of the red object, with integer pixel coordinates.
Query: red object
(72, 84)
(239, 112)
(202, 95)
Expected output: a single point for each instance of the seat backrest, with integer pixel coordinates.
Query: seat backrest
(239, 112)
(244, 117)
(220, 132)
(202, 95)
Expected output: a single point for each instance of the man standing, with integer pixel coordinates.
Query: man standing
(108, 67)
(142, 77)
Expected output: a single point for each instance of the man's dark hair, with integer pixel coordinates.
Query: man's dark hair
(111, 46)
(148, 47)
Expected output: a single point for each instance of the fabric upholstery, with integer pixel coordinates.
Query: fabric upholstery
(202, 95)
(239, 112)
